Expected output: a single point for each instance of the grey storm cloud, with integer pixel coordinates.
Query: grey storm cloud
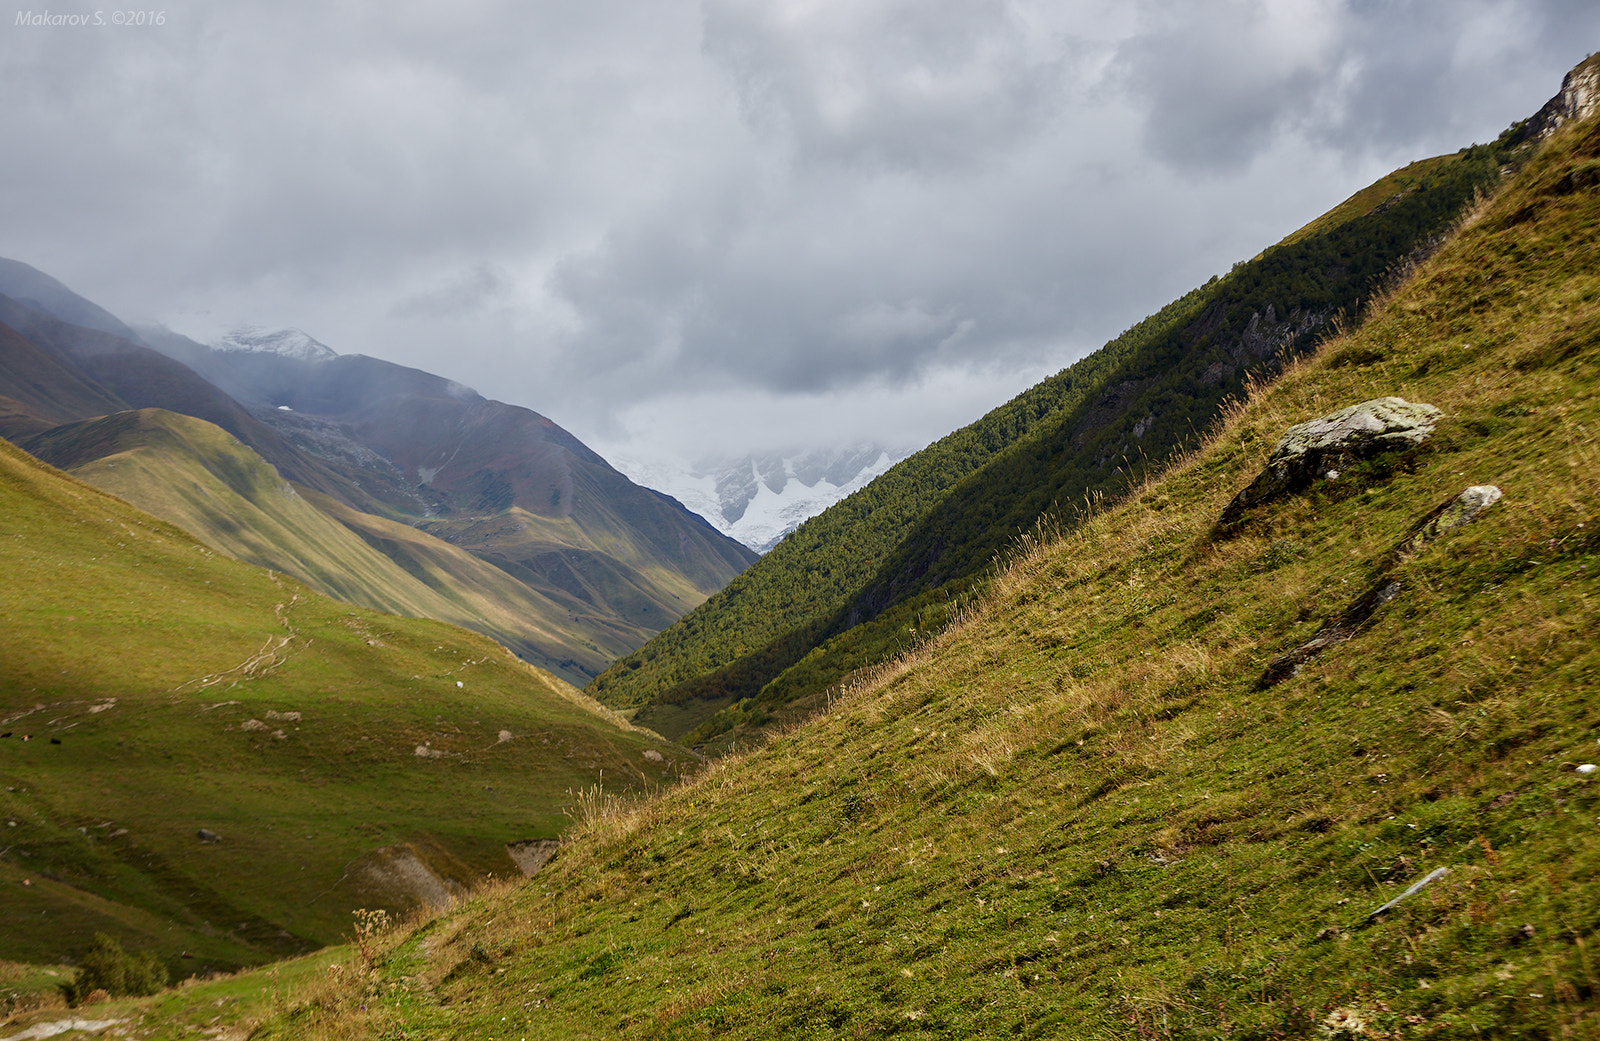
(1222, 80)
(462, 294)
(901, 83)
(680, 221)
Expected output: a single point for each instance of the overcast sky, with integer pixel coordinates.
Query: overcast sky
(727, 223)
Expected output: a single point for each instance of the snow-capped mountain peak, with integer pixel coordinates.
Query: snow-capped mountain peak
(761, 497)
(290, 343)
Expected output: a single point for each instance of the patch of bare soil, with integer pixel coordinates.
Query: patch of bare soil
(532, 854)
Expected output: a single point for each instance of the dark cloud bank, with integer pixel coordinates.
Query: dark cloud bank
(736, 222)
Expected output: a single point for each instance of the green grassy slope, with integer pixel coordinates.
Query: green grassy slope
(171, 677)
(1079, 814)
(204, 480)
(201, 478)
(616, 562)
(592, 628)
(859, 583)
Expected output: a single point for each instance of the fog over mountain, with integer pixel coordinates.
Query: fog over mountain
(758, 499)
(726, 226)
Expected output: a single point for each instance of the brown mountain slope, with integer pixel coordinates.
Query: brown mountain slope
(37, 391)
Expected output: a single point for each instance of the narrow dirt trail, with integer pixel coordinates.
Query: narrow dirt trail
(273, 653)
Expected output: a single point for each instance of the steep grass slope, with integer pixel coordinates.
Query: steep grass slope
(859, 583)
(1080, 813)
(592, 627)
(151, 688)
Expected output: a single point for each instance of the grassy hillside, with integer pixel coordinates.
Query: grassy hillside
(592, 627)
(151, 688)
(431, 448)
(608, 565)
(864, 580)
(202, 479)
(614, 563)
(1079, 812)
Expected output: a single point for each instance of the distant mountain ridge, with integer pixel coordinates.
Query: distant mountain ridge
(288, 343)
(34, 288)
(450, 456)
(597, 563)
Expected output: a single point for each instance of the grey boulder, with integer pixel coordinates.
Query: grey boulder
(1324, 446)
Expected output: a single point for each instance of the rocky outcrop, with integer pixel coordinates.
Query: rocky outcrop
(1463, 509)
(1110, 407)
(532, 854)
(407, 875)
(1578, 99)
(1322, 447)
(1267, 336)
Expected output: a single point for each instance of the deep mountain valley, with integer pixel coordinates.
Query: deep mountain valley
(1101, 717)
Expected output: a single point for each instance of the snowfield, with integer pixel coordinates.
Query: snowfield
(759, 499)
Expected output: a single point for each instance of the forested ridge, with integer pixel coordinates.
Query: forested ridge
(878, 571)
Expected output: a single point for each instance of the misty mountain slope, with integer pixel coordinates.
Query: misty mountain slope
(384, 434)
(1082, 812)
(901, 554)
(38, 391)
(150, 688)
(33, 288)
(505, 484)
(139, 377)
(451, 453)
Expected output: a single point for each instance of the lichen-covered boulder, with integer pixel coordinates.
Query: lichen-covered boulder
(1328, 444)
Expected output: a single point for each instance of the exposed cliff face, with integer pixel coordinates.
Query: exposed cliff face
(1579, 97)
